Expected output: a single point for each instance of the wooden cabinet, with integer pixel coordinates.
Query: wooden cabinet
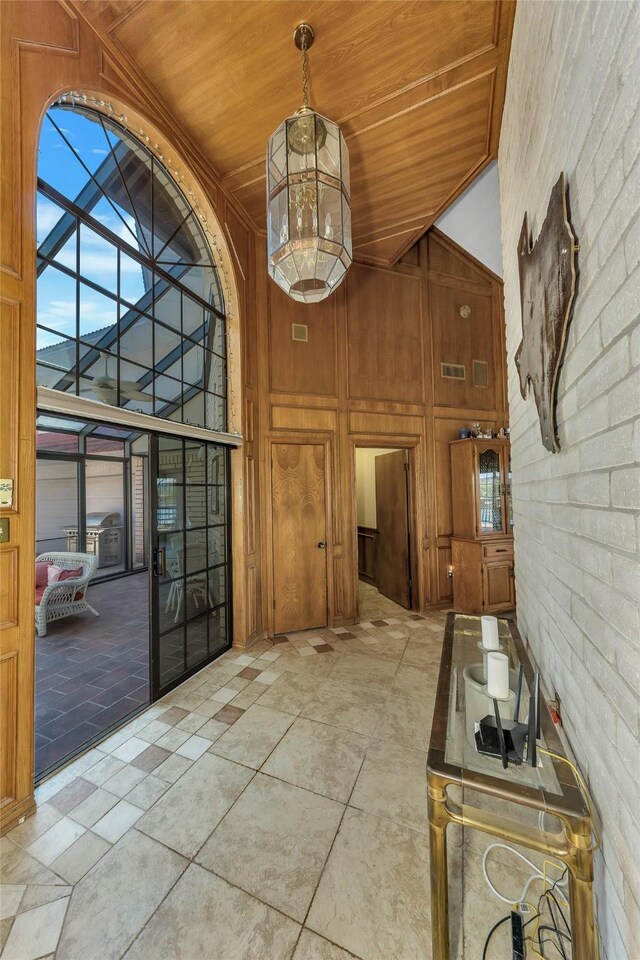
(482, 544)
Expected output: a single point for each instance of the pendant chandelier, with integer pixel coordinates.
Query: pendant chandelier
(308, 203)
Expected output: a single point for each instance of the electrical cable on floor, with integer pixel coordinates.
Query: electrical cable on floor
(538, 874)
(491, 933)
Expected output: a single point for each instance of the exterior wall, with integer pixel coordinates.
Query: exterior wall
(572, 105)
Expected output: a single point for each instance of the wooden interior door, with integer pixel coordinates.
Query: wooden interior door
(392, 512)
(299, 536)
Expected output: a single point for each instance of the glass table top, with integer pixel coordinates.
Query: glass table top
(461, 703)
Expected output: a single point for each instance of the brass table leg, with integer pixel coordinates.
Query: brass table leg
(583, 929)
(438, 820)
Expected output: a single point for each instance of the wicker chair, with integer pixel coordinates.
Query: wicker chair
(65, 597)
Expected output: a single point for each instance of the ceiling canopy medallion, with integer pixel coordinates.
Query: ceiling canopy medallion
(308, 203)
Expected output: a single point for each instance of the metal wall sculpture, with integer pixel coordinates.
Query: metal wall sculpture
(547, 291)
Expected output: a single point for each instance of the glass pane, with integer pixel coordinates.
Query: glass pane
(197, 646)
(218, 638)
(172, 660)
(136, 339)
(57, 506)
(98, 259)
(98, 444)
(218, 585)
(139, 547)
(216, 537)
(48, 215)
(97, 313)
(105, 531)
(490, 494)
(54, 440)
(195, 557)
(56, 301)
(195, 463)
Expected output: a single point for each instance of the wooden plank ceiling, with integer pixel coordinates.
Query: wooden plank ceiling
(417, 87)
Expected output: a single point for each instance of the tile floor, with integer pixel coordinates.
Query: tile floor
(92, 672)
(272, 807)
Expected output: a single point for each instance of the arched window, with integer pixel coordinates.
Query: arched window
(130, 310)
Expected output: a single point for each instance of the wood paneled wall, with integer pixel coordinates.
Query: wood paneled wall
(370, 375)
(48, 48)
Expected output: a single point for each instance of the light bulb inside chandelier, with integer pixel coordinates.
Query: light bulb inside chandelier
(308, 203)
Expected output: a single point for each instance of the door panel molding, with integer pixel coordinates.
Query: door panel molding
(274, 620)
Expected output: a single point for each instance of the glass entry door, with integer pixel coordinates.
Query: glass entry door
(190, 558)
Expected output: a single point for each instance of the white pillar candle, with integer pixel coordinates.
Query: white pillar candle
(490, 639)
(498, 675)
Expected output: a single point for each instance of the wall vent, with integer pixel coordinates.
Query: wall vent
(300, 332)
(480, 373)
(452, 371)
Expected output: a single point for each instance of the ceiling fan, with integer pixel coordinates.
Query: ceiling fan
(105, 388)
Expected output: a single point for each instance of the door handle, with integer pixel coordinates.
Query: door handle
(321, 545)
(160, 562)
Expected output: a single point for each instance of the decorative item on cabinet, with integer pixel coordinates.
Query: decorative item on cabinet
(482, 542)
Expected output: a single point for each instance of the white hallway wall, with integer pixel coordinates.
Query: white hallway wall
(572, 105)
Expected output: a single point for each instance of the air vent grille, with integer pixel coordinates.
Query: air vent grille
(452, 371)
(480, 373)
(300, 332)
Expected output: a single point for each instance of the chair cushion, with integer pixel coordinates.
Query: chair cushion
(53, 573)
(70, 574)
(42, 569)
(41, 590)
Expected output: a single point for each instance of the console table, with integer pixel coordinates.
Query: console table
(455, 767)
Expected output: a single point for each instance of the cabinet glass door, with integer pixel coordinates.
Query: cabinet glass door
(491, 516)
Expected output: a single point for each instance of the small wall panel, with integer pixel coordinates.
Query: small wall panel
(297, 367)
(385, 335)
(250, 505)
(8, 587)
(301, 418)
(252, 600)
(8, 726)
(384, 423)
(462, 340)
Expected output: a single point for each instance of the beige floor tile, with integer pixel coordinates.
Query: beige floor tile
(290, 693)
(253, 737)
(10, 896)
(190, 810)
(172, 768)
(154, 731)
(80, 857)
(72, 794)
(393, 784)
(147, 792)
(249, 695)
(320, 758)
(5, 928)
(17, 866)
(422, 655)
(38, 894)
(193, 721)
(291, 833)
(55, 841)
(373, 895)
(94, 807)
(194, 747)
(33, 827)
(103, 770)
(130, 749)
(347, 705)
(124, 780)
(117, 821)
(312, 947)
(407, 722)
(113, 901)
(415, 682)
(204, 918)
(212, 730)
(35, 932)
(175, 738)
(376, 673)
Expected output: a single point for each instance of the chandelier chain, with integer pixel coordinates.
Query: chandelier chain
(305, 72)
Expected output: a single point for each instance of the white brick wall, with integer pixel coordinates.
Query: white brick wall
(572, 104)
